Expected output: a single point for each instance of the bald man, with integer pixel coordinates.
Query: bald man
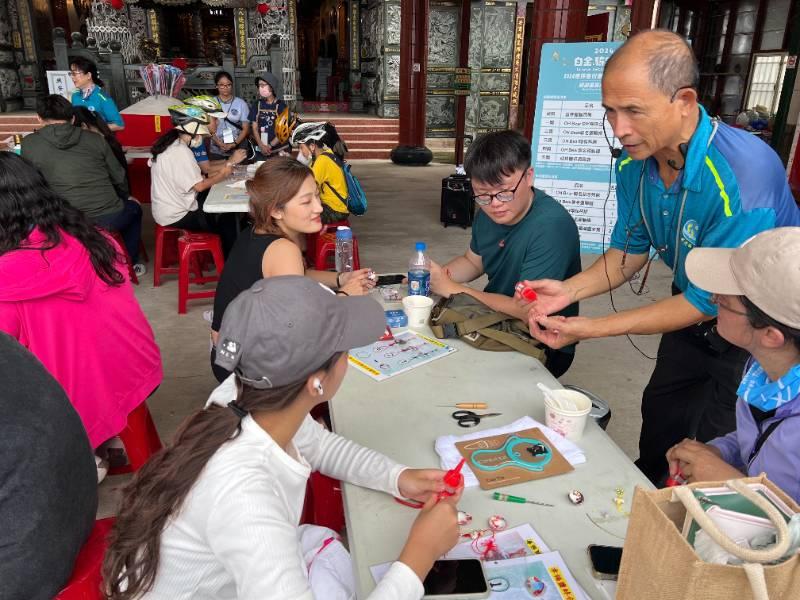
(684, 180)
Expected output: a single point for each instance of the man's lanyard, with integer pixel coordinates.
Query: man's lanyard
(662, 249)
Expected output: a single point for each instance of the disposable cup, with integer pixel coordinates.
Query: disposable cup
(417, 309)
(569, 423)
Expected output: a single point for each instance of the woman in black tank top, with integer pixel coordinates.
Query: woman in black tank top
(284, 206)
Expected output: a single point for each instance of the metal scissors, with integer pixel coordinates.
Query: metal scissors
(467, 418)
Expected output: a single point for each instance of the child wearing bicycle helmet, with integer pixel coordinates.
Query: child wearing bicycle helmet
(178, 187)
(322, 149)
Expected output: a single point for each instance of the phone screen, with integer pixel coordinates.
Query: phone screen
(455, 577)
(605, 559)
(389, 279)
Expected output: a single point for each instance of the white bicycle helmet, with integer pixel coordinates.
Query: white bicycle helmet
(308, 132)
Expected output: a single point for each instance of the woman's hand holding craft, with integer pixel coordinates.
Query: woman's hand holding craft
(699, 462)
(356, 283)
(420, 484)
(434, 533)
(558, 331)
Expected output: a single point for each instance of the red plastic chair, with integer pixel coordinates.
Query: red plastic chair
(140, 438)
(311, 238)
(188, 245)
(323, 505)
(325, 254)
(87, 580)
(166, 251)
(121, 242)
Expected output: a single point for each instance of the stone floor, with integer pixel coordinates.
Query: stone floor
(404, 208)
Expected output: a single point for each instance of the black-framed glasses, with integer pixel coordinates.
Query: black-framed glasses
(502, 195)
(715, 299)
(76, 73)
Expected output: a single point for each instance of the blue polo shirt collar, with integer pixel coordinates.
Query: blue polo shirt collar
(698, 149)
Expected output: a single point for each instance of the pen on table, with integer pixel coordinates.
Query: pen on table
(478, 405)
(508, 498)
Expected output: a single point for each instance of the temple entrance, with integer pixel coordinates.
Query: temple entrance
(322, 49)
(198, 34)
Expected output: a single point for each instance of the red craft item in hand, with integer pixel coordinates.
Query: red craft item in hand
(453, 479)
(525, 292)
(263, 8)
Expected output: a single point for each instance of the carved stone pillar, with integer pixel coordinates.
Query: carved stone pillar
(10, 90)
(642, 15)
(553, 21)
(356, 96)
(413, 84)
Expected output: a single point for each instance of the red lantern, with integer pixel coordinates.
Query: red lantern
(263, 8)
(117, 4)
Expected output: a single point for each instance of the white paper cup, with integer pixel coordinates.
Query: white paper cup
(569, 423)
(417, 309)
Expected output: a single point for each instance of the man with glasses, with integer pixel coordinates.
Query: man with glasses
(519, 233)
(683, 181)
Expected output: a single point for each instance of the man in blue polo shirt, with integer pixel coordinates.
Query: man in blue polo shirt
(683, 181)
(88, 93)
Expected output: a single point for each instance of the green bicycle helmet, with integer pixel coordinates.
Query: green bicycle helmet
(190, 119)
(208, 104)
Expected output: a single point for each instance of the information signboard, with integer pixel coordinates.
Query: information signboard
(571, 158)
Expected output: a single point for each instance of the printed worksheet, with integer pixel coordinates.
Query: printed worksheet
(543, 576)
(407, 350)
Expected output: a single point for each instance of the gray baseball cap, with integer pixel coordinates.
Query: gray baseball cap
(284, 328)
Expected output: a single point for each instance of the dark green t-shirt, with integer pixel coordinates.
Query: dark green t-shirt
(543, 245)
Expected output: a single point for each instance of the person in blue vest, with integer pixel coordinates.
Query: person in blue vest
(263, 114)
(684, 181)
(88, 92)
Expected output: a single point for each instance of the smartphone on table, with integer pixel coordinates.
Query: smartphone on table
(605, 561)
(452, 579)
(390, 279)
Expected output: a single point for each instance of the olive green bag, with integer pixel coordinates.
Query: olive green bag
(462, 316)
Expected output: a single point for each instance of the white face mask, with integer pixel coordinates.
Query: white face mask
(196, 142)
(303, 159)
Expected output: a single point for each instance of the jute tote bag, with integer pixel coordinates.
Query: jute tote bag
(657, 562)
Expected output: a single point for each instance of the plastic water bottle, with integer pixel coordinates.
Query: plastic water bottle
(344, 249)
(419, 272)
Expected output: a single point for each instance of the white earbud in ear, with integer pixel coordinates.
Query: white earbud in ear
(318, 386)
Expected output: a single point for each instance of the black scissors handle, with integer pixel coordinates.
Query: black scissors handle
(466, 418)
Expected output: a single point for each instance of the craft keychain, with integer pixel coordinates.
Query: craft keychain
(453, 479)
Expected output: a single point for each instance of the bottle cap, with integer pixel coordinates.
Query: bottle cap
(344, 233)
(420, 246)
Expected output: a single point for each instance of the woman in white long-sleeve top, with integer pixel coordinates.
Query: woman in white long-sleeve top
(217, 513)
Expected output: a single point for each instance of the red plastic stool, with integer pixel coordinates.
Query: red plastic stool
(325, 254)
(187, 245)
(166, 251)
(87, 580)
(312, 238)
(118, 238)
(140, 438)
(323, 505)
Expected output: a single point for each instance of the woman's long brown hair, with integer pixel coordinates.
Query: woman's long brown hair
(275, 183)
(159, 488)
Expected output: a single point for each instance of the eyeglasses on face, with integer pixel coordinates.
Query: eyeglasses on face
(224, 85)
(76, 73)
(502, 196)
(719, 300)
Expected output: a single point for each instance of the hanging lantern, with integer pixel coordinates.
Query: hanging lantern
(263, 8)
(116, 4)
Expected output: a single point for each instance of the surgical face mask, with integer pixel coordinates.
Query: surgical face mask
(303, 159)
(196, 142)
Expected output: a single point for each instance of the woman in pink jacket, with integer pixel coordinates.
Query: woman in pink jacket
(65, 295)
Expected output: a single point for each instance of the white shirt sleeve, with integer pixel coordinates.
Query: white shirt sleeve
(345, 460)
(259, 547)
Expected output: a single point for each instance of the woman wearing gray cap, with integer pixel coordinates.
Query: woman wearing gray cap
(216, 514)
(757, 291)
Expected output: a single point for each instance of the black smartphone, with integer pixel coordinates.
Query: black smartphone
(392, 279)
(605, 561)
(456, 579)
